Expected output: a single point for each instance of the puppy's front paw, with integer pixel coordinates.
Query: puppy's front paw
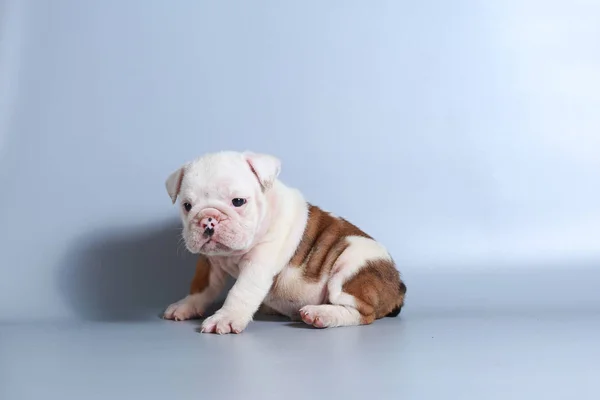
(184, 309)
(223, 322)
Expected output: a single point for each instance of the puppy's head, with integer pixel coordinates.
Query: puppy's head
(222, 200)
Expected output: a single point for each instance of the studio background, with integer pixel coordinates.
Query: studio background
(463, 135)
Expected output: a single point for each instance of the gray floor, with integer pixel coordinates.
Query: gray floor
(518, 355)
(469, 131)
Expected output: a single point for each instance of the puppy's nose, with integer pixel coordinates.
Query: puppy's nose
(209, 224)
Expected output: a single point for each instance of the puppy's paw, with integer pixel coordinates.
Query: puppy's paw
(223, 322)
(320, 316)
(187, 308)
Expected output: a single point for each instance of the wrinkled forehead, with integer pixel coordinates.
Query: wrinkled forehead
(219, 176)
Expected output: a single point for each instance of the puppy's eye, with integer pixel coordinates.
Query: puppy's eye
(237, 202)
(187, 206)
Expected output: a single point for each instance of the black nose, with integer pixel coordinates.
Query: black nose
(209, 231)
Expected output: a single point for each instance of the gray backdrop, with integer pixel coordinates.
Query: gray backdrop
(464, 135)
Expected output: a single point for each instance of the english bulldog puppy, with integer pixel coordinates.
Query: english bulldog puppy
(287, 255)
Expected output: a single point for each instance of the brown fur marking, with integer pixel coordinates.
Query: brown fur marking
(377, 287)
(378, 290)
(322, 242)
(201, 276)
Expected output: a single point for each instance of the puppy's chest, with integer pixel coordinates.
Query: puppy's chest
(229, 265)
(292, 291)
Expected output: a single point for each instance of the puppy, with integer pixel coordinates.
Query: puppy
(287, 255)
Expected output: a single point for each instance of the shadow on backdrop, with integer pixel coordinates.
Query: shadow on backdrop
(133, 274)
(126, 274)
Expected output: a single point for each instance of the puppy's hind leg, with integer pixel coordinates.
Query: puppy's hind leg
(343, 310)
(330, 315)
(374, 292)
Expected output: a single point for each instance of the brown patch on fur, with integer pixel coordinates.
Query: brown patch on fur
(322, 242)
(378, 290)
(201, 276)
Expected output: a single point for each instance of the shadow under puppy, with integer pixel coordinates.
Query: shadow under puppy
(287, 255)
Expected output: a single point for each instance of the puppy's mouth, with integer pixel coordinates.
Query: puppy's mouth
(214, 246)
(212, 243)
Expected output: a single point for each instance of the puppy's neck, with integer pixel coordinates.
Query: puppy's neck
(278, 201)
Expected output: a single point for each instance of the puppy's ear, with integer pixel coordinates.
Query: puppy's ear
(173, 183)
(265, 167)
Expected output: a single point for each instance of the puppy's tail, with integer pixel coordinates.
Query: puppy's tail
(401, 292)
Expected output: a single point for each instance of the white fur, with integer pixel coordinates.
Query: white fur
(191, 306)
(260, 264)
(257, 239)
(209, 184)
(253, 243)
(330, 316)
(297, 292)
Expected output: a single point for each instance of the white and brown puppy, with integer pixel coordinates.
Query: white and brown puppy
(286, 254)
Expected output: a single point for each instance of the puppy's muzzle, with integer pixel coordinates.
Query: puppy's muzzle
(209, 224)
